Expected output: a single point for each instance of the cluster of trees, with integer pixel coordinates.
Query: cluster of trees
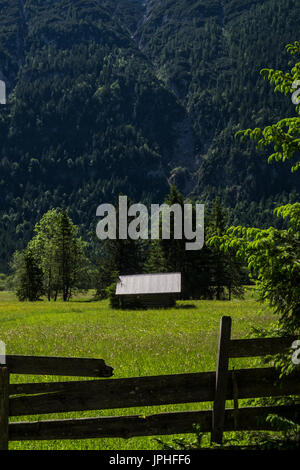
(206, 273)
(57, 262)
(54, 262)
(102, 102)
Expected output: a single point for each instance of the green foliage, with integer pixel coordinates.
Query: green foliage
(205, 273)
(112, 96)
(285, 134)
(58, 256)
(226, 272)
(209, 54)
(117, 257)
(6, 282)
(272, 256)
(286, 436)
(184, 444)
(28, 276)
(114, 300)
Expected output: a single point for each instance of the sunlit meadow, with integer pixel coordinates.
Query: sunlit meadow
(135, 343)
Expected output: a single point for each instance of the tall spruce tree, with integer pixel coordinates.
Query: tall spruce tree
(28, 276)
(69, 256)
(226, 272)
(118, 257)
(171, 255)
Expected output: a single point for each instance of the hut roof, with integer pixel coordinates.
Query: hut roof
(163, 283)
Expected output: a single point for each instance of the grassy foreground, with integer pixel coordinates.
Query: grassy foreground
(136, 343)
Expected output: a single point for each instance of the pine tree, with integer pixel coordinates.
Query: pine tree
(170, 255)
(226, 270)
(155, 262)
(68, 254)
(119, 257)
(28, 276)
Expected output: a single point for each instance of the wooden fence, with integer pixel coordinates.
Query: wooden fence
(217, 387)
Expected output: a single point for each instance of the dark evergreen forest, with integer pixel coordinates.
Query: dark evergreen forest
(109, 97)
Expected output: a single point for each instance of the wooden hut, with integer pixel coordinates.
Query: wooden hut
(149, 290)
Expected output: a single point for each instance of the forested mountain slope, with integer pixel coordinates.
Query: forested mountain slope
(126, 96)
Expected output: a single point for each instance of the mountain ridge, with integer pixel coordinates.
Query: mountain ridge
(130, 96)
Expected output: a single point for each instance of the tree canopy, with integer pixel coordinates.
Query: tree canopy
(273, 255)
(54, 262)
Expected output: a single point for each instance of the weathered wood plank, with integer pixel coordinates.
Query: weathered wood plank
(252, 418)
(255, 347)
(117, 426)
(126, 386)
(4, 407)
(68, 366)
(148, 391)
(221, 380)
(262, 382)
(116, 393)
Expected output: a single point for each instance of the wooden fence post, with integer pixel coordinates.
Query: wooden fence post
(4, 383)
(221, 381)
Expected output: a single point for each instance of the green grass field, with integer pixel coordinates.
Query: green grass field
(135, 343)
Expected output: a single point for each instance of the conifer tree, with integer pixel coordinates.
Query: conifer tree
(170, 255)
(119, 257)
(28, 276)
(226, 271)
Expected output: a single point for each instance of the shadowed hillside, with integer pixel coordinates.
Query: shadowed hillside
(128, 96)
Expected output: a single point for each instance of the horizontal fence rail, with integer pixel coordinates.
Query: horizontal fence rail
(255, 347)
(66, 366)
(146, 391)
(247, 419)
(116, 393)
